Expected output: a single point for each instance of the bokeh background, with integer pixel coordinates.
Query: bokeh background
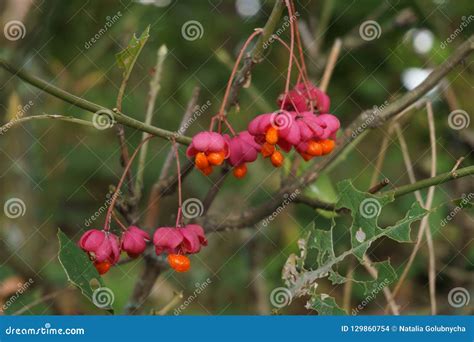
(62, 172)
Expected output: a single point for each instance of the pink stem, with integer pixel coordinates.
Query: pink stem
(292, 43)
(234, 70)
(108, 217)
(180, 198)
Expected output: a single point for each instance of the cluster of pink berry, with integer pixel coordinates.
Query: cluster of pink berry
(302, 123)
(104, 247)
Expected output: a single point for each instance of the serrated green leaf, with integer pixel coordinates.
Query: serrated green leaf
(321, 240)
(325, 305)
(126, 58)
(401, 231)
(78, 267)
(365, 209)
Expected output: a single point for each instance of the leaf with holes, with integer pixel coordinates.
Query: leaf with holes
(365, 209)
(79, 269)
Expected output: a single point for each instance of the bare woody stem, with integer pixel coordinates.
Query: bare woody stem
(397, 192)
(91, 106)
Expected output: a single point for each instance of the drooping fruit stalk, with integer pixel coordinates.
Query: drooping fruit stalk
(108, 217)
(180, 198)
(220, 115)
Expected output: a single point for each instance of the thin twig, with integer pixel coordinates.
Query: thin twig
(429, 237)
(92, 107)
(178, 296)
(8, 125)
(40, 300)
(381, 157)
(424, 222)
(331, 64)
(152, 94)
(347, 289)
(379, 186)
(458, 162)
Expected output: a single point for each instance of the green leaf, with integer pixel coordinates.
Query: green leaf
(321, 240)
(79, 269)
(126, 58)
(323, 190)
(365, 209)
(325, 305)
(386, 275)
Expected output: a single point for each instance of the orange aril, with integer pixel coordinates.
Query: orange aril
(201, 161)
(328, 145)
(240, 171)
(267, 150)
(178, 262)
(216, 158)
(102, 267)
(314, 148)
(271, 136)
(277, 159)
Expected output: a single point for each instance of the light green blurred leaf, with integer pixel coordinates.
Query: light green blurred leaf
(126, 58)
